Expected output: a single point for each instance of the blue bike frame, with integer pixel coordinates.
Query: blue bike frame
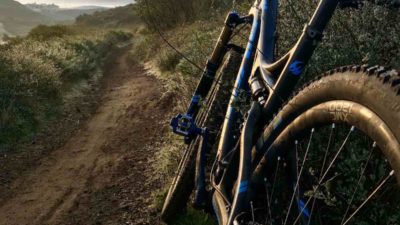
(270, 82)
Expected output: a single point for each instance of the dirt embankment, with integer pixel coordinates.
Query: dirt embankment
(103, 174)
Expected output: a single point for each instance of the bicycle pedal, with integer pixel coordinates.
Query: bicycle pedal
(185, 125)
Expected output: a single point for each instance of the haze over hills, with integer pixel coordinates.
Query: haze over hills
(17, 19)
(57, 14)
(78, 3)
(123, 16)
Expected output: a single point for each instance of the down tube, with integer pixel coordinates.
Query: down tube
(228, 140)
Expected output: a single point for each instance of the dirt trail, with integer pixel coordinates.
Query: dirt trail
(101, 175)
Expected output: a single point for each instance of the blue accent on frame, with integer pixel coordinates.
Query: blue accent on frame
(244, 185)
(196, 99)
(277, 122)
(296, 68)
(265, 6)
(193, 104)
(247, 64)
(230, 112)
(302, 208)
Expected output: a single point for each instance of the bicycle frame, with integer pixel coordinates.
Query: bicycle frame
(271, 83)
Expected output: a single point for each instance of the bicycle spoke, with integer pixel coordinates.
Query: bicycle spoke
(313, 197)
(312, 209)
(337, 154)
(299, 175)
(358, 183)
(268, 200)
(326, 172)
(273, 184)
(327, 149)
(322, 168)
(369, 197)
(252, 211)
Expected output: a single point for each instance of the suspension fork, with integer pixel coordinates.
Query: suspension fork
(185, 124)
(232, 21)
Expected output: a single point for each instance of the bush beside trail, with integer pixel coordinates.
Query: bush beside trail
(370, 35)
(37, 73)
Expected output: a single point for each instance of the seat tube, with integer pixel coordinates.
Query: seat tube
(228, 139)
(268, 30)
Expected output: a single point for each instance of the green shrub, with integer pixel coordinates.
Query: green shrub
(111, 18)
(43, 32)
(29, 91)
(367, 36)
(168, 60)
(36, 74)
(194, 217)
(370, 35)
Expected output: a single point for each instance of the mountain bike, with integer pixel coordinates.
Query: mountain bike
(327, 154)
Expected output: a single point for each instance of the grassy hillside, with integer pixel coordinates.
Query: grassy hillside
(58, 14)
(18, 19)
(3, 31)
(118, 17)
(367, 36)
(37, 74)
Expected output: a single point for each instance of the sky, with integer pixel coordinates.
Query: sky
(76, 3)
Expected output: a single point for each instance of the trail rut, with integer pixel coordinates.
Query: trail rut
(102, 174)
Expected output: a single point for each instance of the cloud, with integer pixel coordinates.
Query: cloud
(74, 3)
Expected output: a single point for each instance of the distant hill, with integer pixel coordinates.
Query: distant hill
(88, 7)
(58, 14)
(116, 17)
(17, 19)
(3, 31)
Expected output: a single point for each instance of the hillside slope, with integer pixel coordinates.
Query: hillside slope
(63, 14)
(18, 19)
(117, 17)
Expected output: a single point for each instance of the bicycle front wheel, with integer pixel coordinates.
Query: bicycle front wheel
(336, 158)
